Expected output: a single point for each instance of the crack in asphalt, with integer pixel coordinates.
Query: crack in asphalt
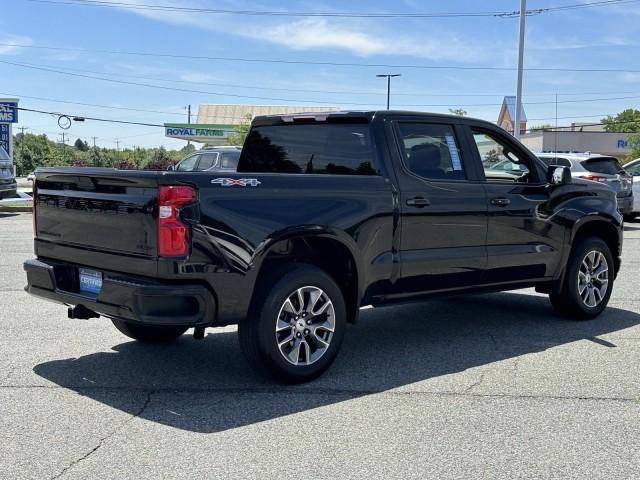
(477, 383)
(336, 392)
(105, 438)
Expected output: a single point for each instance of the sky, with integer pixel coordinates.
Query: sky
(51, 52)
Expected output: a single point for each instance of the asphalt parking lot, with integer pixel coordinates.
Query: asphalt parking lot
(488, 386)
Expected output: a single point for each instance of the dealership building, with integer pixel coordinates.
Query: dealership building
(215, 122)
(578, 138)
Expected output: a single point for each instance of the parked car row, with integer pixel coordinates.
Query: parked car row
(603, 169)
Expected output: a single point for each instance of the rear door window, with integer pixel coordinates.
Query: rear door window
(322, 148)
(604, 165)
(431, 151)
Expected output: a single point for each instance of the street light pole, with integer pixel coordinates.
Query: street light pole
(388, 76)
(523, 14)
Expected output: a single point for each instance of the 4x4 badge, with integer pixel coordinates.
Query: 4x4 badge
(237, 182)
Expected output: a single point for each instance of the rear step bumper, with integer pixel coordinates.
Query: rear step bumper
(125, 297)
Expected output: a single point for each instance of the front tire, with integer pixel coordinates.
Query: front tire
(296, 324)
(148, 333)
(588, 280)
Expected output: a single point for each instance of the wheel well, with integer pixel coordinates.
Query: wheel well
(608, 233)
(330, 255)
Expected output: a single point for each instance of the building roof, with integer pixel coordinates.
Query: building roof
(216, 114)
(510, 103)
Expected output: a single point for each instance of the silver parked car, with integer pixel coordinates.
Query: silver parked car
(8, 185)
(633, 168)
(597, 168)
(219, 159)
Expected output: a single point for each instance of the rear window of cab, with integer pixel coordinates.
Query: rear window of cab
(316, 148)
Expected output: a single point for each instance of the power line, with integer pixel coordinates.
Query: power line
(284, 13)
(300, 90)
(90, 104)
(367, 104)
(59, 114)
(96, 119)
(319, 63)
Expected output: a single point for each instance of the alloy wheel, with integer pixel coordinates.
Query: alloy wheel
(593, 278)
(305, 326)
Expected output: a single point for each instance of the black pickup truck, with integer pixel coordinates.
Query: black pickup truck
(327, 213)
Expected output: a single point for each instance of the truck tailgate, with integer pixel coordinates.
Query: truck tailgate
(99, 209)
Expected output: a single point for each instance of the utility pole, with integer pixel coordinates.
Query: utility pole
(22, 129)
(189, 120)
(63, 145)
(388, 76)
(523, 14)
(94, 142)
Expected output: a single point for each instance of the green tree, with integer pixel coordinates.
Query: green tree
(634, 146)
(626, 121)
(33, 151)
(544, 126)
(461, 112)
(239, 134)
(81, 145)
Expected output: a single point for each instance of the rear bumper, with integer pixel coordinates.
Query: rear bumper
(125, 297)
(625, 204)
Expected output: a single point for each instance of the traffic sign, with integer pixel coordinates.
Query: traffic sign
(8, 112)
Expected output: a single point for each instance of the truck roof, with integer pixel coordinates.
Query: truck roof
(363, 115)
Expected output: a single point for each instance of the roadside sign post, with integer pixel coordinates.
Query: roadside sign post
(8, 116)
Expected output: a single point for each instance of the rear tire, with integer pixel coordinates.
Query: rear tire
(588, 280)
(295, 325)
(148, 333)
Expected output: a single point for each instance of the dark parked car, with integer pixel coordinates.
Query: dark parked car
(223, 159)
(597, 168)
(327, 213)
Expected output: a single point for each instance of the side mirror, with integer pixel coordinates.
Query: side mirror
(557, 175)
(171, 167)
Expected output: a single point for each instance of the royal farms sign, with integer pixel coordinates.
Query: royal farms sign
(198, 132)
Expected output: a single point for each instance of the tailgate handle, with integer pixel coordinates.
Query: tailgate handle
(500, 201)
(418, 202)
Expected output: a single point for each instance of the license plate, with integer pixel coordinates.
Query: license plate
(90, 281)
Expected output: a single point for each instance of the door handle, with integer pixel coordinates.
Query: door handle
(500, 201)
(419, 202)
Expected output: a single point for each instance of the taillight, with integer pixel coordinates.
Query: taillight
(173, 234)
(594, 178)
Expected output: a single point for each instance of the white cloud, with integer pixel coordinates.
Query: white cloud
(10, 43)
(631, 77)
(196, 77)
(319, 33)
(349, 35)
